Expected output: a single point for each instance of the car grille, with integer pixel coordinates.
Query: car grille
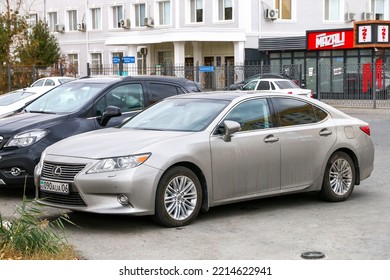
(73, 198)
(60, 171)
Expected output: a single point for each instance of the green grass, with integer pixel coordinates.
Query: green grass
(27, 236)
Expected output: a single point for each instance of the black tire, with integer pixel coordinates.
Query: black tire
(339, 178)
(178, 198)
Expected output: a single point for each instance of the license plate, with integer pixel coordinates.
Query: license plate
(56, 187)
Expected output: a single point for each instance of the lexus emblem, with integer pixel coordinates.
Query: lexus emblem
(57, 171)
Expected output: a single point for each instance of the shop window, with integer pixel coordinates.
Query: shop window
(285, 8)
(333, 10)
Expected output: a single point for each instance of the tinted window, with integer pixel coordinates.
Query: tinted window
(128, 98)
(158, 91)
(320, 114)
(252, 114)
(293, 112)
(263, 85)
(286, 84)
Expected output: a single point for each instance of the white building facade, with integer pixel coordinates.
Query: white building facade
(151, 33)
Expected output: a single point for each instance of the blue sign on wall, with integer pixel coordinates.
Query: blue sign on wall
(116, 60)
(206, 68)
(129, 59)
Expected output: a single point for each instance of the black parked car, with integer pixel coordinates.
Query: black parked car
(79, 106)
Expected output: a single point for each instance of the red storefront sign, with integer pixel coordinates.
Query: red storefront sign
(330, 39)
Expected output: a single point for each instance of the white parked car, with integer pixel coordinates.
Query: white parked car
(279, 85)
(51, 81)
(13, 101)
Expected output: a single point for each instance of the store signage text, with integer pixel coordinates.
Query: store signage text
(330, 40)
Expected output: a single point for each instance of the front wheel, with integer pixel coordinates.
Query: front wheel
(178, 198)
(339, 178)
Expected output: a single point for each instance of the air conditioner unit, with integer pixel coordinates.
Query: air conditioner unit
(271, 14)
(59, 28)
(148, 22)
(125, 23)
(367, 16)
(143, 51)
(350, 17)
(81, 26)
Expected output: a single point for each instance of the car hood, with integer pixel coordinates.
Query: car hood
(110, 142)
(26, 121)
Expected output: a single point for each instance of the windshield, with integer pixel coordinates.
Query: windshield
(286, 84)
(178, 115)
(67, 98)
(11, 97)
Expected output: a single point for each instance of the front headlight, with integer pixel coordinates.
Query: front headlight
(26, 139)
(118, 163)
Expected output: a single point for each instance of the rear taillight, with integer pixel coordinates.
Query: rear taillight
(290, 92)
(366, 129)
(311, 94)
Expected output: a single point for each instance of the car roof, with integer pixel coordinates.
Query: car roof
(135, 78)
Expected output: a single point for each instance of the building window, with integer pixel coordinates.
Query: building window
(96, 64)
(164, 12)
(115, 66)
(117, 16)
(285, 8)
(196, 10)
(73, 59)
(140, 14)
(96, 19)
(32, 19)
(378, 9)
(225, 9)
(72, 20)
(52, 18)
(332, 10)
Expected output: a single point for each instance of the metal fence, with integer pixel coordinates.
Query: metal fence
(358, 85)
(19, 76)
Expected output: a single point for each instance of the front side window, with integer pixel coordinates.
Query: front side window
(72, 20)
(252, 115)
(285, 8)
(117, 16)
(332, 10)
(251, 85)
(196, 10)
(296, 112)
(96, 19)
(140, 14)
(128, 98)
(52, 16)
(225, 9)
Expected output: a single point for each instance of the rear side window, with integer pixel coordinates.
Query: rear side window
(158, 91)
(294, 112)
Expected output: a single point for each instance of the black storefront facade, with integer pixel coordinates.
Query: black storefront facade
(331, 64)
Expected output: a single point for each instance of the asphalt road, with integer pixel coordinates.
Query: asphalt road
(279, 228)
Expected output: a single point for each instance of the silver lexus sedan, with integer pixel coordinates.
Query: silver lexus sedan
(191, 152)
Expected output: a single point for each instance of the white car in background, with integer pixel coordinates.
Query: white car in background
(51, 81)
(278, 85)
(14, 101)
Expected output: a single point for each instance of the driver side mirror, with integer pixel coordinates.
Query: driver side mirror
(110, 112)
(230, 127)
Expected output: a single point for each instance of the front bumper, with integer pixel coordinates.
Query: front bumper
(16, 169)
(100, 192)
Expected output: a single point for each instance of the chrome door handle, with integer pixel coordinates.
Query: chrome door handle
(271, 139)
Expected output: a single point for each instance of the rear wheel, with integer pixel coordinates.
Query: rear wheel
(339, 178)
(178, 197)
